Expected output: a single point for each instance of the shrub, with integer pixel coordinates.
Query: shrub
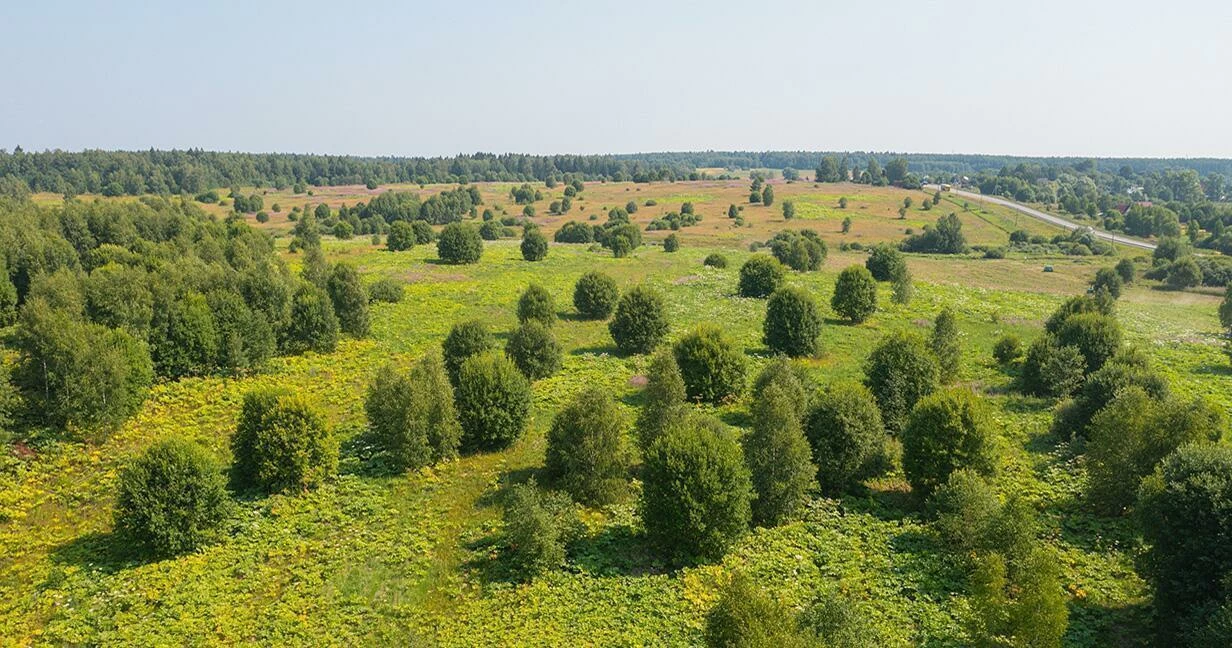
(1107, 280)
(1098, 303)
(534, 350)
(342, 230)
(792, 323)
(183, 340)
(588, 453)
(1129, 436)
(1183, 273)
(744, 616)
(1018, 601)
(281, 443)
(715, 260)
(595, 295)
(663, 399)
(459, 243)
(465, 339)
(537, 304)
(1185, 512)
(760, 276)
(401, 236)
(1051, 369)
(423, 231)
(575, 232)
(313, 324)
(245, 338)
(846, 433)
(1225, 309)
(1007, 349)
(538, 525)
(493, 401)
(1097, 337)
(946, 431)
(778, 457)
(534, 245)
(803, 250)
(855, 294)
(671, 243)
(696, 491)
(886, 263)
(945, 345)
(903, 289)
(780, 371)
(386, 290)
(899, 372)
(172, 498)
(640, 323)
(350, 300)
(412, 417)
(712, 366)
(1125, 270)
(1122, 372)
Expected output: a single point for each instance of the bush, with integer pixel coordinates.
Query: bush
(245, 338)
(493, 401)
(534, 350)
(1019, 600)
(1051, 369)
(903, 289)
(803, 250)
(401, 236)
(663, 399)
(537, 304)
(595, 295)
(172, 499)
(744, 616)
(886, 263)
(423, 231)
(1129, 436)
(946, 431)
(465, 339)
(386, 290)
(1097, 337)
(640, 323)
(1125, 270)
(715, 260)
(1107, 280)
(342, 230)
(712, 366)
(183, 339)
(671, 243)
(1183, 273)
(792, 323)
(588, 453)
(899, 372)
(313, 324)
(1007, 349)
(538, 525)
(281, 443)
(1125, 370)
(846, 433)
(696, 491)
(459, 243)
(855, 294)
(534, 245)
(1098, 303)
(778, 457)
(760, 276)
(793, 380)
(350, 300)
(412, 417)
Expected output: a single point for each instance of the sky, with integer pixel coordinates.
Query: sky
(1079, 78)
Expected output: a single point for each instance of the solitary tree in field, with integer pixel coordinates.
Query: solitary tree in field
(855, 294)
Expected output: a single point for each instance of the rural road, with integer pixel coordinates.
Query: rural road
(1055, 220)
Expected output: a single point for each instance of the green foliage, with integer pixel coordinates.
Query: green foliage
(792, 323)
(778, 457)
(76, 375)
(1097, 337)
(343, 230)
(460, 244)
(799, 250)
(1125, 270)
(760, 276)
(313, 324)
(281, 444)
(855, 294)
(664, 399)
(696, 491)
(493, 400)
(183, 340)
(412, 416)
(946, 346)
(1052, 369)
(350, 300)
(588, 452)
(945, 237)
(245, 338)
(315, 269)
(793, 380)
(465, 339)
(846, 434)
(671, 243)
(903, 290)
(886, 263)
(595, 295)
(538, 525)
(1183, 273)
(534, 245)
(900, 371)
(1108, 280)
(1018, 604)
(172, 499)
(537, 304)
(712, 366)
(640, 323)
(386, 290)
(946, 431)
(745, 617)
(1007, 349)
(789, 209)
(117, 296)
(715, 260)
(1125, 370)
(401, 236)
(1097, 303)
(1225, 309)
(1129, 436)
(534, 350)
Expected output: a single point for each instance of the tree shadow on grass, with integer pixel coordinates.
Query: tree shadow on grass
(616, 550)
(1127, 626)
(1213, 370)
(99, 551)
(597, 349)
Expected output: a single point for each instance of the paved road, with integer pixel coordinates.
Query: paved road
(1055, 220)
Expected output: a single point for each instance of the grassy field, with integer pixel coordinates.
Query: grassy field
(372, 559)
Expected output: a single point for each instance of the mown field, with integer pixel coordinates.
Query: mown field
(374, 559)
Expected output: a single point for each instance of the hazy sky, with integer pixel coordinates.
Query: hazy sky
(412, 78)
